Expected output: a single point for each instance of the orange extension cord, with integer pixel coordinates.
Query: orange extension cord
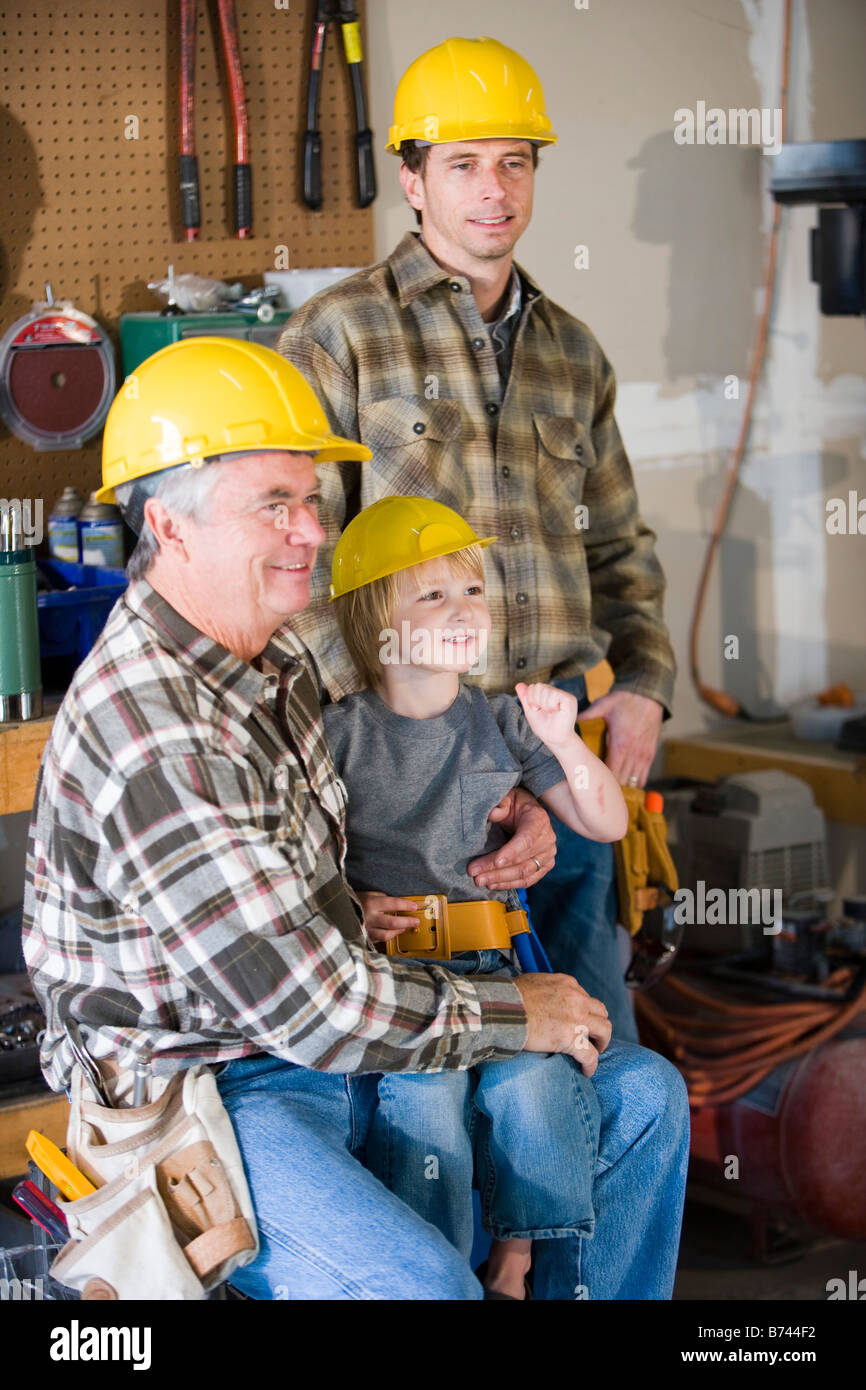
(720, 700)
(734, 1045)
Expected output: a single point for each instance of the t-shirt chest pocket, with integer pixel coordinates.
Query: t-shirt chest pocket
(565, 456)
(416, 447)
(479, 793)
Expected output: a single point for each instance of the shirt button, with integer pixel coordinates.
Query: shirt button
(515, 533)
(419, 427)
(520, 663)
(478, 344)
(456, 286)
(522, 598)
(506, 471)
(578, 449)
(492, 408)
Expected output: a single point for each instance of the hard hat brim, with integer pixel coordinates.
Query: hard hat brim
(337, 450)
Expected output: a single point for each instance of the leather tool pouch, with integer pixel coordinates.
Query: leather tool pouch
(172, 1216)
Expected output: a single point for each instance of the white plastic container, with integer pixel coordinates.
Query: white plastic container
(297, 286)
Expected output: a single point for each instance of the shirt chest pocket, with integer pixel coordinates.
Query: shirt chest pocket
(416, 447)
(565, 457)
(479, 793)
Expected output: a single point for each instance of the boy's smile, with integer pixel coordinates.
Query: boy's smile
(446, 617)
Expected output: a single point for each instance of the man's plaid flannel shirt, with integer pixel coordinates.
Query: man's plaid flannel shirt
(184, 896)
(402, 360)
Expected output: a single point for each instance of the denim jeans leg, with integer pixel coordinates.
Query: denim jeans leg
(536, 1133)
(639, 1189)
(328, 1228)
(574, 912)
(419, 1146)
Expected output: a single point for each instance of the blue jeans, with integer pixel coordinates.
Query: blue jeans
(573, 910)
(330, 1230)
(526, 1127)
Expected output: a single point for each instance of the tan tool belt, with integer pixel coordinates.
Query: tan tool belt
(172, 1215)
(448, 928)
(645, 872)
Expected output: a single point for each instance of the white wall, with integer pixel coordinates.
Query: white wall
(677, 241)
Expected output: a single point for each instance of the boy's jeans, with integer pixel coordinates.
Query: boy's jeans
(330, 1230)
(527, 1127)
(573, 910)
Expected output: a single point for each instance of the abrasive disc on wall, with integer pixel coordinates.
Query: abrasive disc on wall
(56, 377)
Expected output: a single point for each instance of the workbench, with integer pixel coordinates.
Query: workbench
(837, 779)
(21, 748)
(29, 1105)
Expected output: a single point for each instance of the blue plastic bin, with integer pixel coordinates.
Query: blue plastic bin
(74, 613)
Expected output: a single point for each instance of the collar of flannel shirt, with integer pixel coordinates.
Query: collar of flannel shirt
(220, 669)
(415, 272)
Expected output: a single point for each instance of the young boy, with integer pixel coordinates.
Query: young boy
(425, 759)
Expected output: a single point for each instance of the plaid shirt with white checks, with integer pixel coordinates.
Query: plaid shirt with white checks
(185, 900)
(402, 360)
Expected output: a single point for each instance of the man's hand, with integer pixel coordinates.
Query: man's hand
(562, 1017)
(514, 865)
(633, 726)
(379, 917)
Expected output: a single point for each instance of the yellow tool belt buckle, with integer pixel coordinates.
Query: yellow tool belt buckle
(432, 937)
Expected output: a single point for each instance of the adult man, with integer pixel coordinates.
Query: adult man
(470, 386)
(185, 902)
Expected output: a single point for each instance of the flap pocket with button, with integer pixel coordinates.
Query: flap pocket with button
(565, 454)
(416, 447)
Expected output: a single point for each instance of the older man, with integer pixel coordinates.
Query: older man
(185, 900)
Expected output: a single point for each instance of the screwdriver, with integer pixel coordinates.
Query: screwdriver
(41, 1209)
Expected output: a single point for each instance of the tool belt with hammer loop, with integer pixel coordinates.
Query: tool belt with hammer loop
(172, 1215)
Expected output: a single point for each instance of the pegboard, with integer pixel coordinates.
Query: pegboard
(91, 199)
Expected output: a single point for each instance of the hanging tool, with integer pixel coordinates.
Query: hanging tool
(327, 12)
(189, 191)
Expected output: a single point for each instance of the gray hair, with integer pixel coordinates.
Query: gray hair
(186, 491)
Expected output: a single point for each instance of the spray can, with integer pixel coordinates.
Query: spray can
(63, 526)
(20, 677)
(101, 531)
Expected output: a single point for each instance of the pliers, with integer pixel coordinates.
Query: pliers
(327, 12)
(189, 195)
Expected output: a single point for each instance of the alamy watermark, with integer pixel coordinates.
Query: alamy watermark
(444, 646)
(736, 126)
(25, 517)
(719, 907)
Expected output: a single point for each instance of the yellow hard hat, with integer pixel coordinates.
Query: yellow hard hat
(469, 89)
(394, 533)
(205, 396)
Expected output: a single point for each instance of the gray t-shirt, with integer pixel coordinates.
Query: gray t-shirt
(420, 790)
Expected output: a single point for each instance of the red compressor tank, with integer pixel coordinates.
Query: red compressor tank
(799, 1138)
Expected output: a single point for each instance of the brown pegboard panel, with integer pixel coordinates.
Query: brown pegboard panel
(96, 213)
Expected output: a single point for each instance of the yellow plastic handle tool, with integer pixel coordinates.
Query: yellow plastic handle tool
(57, 1167)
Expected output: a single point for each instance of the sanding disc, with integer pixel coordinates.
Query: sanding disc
(56, 377)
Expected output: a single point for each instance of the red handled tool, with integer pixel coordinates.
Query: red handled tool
(41, 1209)
(189, 191)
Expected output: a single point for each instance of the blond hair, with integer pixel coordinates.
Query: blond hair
(365, 615)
